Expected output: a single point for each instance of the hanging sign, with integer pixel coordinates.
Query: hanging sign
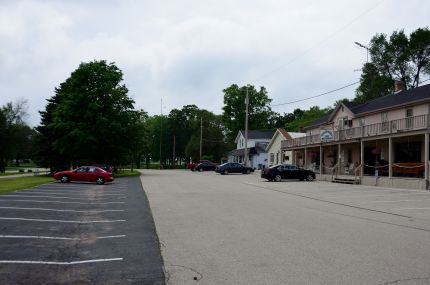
(327, 135)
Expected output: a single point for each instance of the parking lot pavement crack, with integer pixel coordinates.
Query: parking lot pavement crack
(197, 275)
(328, 201)
(400, 281)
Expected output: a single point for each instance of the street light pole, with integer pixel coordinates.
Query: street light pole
(201, 136)
(246, 127)
(363, 46)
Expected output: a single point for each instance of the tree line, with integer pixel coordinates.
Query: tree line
(92, 119)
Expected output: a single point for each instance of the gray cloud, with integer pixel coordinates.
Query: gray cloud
(188, 51)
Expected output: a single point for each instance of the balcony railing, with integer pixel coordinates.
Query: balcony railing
(390, 127)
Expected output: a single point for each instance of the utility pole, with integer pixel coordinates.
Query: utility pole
(246, 127)
(201, 136)
(161, 130)
(363, 46)
(174, 146)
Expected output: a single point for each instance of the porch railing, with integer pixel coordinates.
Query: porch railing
(389, 127)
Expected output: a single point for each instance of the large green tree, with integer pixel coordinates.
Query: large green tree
(15, 135)
(214, 145)
(233, 116)
(397, 58)
(91, 118)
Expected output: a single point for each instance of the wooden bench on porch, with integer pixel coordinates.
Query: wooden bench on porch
(411, 169)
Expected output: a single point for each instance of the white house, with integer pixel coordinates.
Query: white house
(257, 143)
(274, 153)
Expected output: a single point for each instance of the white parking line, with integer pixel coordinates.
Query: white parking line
(392, 201)
(60, 210)
(62, 221)
(371, 196)
(60, 238)
(59, 263)
(64, 194)
(54, 197)
(61, 202)
(403, 209)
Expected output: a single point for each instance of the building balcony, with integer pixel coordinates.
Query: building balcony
(373, 130)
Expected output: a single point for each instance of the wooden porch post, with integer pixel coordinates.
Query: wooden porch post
(426, 159)
(293, 157)
(339, 164)
(390, 157)
(321, 159)
(361, 159)
(306, 158)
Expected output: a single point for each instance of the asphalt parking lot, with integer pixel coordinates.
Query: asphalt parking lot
(79, 233)
(241, 229)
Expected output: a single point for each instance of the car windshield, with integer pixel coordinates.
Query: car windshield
(225, 164)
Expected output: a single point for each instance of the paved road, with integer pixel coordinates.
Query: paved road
(239, 229)
(79, 233)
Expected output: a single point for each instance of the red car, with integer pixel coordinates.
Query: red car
(85, 173)
(191, 166)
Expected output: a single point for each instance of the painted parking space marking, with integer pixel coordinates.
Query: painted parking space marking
(399, 201)
(59, 263)
(60, 238)
(61, 202)
(403, 209)
(62, 221)
(372, 196)
(55, 197)
(60, 210)
(65, 194)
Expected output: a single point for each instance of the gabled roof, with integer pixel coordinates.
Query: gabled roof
(286, 136)
(256, 134)
(392, 100)
(406, 97)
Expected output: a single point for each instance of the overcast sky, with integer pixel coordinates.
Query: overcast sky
(188, 51)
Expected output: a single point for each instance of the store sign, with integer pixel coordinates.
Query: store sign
(327, 135)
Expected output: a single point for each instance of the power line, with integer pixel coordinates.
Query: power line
(319, 42)
(319, 95)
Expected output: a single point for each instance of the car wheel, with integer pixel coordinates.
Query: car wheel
(310, 177)
(65, 179)
(225, 172)
(278, 178)
(200, 169)
(100, 181)
(248, 171)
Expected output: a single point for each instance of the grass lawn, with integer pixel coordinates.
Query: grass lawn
(125, 173)
(12, 184)
(11, 173)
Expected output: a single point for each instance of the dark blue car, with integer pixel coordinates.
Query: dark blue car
(233, 167)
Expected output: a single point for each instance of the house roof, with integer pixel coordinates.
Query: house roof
(257, 134)
(401, 98)
(405, 97)
(252, 151)
(285, 134)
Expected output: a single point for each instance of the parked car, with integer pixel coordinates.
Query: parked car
(85, 173)
(192, 165)
(105, 167)
(287, 171)
(206, 165)
(233, 167)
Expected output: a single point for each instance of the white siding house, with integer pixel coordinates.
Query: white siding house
(257, 143)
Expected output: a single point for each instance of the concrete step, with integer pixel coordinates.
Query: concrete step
(345, 180)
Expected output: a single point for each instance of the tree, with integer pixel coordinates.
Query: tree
(15, 134)
(397, 58)
(304, 118)
(213, 141)
(233, 115)
(90, 117)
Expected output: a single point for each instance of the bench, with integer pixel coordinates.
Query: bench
(411, 169)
